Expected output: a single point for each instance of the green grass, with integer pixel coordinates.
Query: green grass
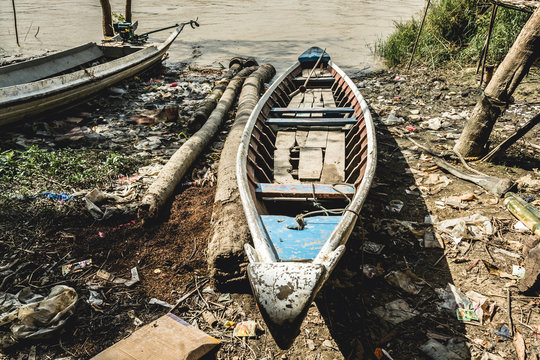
(34, 169)
(454, 32)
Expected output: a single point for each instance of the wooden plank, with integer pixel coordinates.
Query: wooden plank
(316, 139)
(310, 164)
(285, 139)
(283, 167)
(334, 159)
(317, 102)
(301, 137)
(296, 100)
(299, 120)
(322, 191)
(328, 98)
(307, 103)
(334, 110)
(314, 82)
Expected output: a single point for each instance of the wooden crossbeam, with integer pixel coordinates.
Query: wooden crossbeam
(341, 110)
(322, 191)
(521, 5)
(310, 121)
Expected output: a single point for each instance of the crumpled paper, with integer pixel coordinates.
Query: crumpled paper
(33, 316)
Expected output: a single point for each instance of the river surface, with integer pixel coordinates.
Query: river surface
(271, 31)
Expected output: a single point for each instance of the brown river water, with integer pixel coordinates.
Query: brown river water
(271, 31)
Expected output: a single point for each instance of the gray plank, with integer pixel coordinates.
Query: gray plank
(283, 167)
(310, 164)
(334, 159)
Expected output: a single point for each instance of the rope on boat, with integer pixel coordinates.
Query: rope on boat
(300, 218)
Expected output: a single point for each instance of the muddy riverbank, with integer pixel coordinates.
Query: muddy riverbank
(349, 319)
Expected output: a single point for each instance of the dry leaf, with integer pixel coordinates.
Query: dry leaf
(519, 344)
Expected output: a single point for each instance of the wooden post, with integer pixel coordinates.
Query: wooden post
(15, 20)
(497, 95)
(418, 36)
(108, 30)
(128, 11)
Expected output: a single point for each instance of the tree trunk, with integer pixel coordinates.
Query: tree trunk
(128, 11)
(163, 187)
(226, 258)
(498, 93)
(107, 18)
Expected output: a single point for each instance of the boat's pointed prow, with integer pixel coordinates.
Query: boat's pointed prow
(284, 292)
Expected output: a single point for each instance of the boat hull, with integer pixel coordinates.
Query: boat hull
(30, 100)
(298, 215)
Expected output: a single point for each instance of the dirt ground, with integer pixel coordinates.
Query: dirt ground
(347, 320)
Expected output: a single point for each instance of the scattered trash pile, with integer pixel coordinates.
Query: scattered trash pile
(436, 268)
(455, 262)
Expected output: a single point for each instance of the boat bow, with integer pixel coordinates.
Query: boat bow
(284, 292)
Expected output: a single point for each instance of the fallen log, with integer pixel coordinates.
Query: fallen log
(172, 173)
(208, 105)
(226, 259)
(494, 185)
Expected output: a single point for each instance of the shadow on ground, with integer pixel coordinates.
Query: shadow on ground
(348, 301)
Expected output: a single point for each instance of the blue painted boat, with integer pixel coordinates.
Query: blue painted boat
(305, 165)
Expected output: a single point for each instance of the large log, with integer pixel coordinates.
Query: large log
(108, 30)
(226, 259)
(497, 94)
(209, 103)
(163, 187)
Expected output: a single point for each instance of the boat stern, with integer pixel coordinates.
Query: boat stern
(284, 291)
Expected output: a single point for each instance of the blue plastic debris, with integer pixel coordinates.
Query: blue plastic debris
(503, 332)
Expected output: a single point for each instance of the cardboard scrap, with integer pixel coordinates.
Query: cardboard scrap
(167, 338)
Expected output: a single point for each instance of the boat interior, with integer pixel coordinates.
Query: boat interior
(63, 62)
(307, 155)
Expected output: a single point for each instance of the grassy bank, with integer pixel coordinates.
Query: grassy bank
(454, 32)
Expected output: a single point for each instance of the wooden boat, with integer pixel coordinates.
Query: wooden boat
(66, 78)
(304, 168)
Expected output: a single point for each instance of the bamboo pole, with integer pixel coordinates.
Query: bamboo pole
(513, 138)
(15, 20)
(485, 54)
(108, 30)
(128, 11)
(418, 36)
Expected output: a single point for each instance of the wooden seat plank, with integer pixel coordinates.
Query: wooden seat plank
(325, 110)
(322, 191)
(300, 120)
(334, 159)
(310, 163)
